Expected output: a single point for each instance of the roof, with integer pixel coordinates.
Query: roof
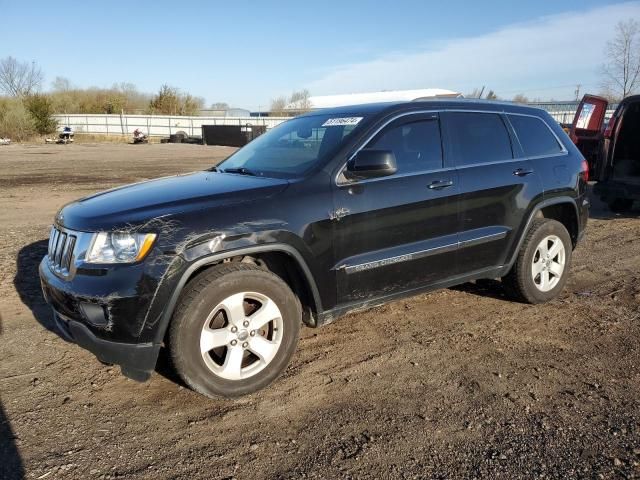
(433, 103)
(330, 101)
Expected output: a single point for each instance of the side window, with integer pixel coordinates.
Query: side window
(478, 138)
(534, 135)
(416, 145)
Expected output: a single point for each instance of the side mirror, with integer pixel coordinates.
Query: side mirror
(371, 164)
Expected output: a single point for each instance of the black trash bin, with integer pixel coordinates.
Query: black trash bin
(231, 135)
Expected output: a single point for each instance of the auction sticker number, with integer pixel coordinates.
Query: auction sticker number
(336, 122)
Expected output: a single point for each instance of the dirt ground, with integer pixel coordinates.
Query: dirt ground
(459, 383)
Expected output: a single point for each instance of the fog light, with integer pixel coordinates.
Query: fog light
(95, 314)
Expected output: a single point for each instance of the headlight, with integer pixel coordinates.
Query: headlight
(119, 247)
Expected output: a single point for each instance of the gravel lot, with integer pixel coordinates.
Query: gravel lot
(459, 383)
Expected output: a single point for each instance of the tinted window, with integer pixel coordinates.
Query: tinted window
(478, 138)
(534, 135)
(416, 145)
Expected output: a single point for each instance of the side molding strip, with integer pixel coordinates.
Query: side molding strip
(399, 258)
(349, 269)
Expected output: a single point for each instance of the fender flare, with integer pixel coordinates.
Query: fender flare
(539, 206)
(210, 259)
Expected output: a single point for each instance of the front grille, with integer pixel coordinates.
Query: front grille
(61, 245)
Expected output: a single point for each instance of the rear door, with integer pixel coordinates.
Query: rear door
(397, 233)
(589, 118)
(496, 187)
(586, 129)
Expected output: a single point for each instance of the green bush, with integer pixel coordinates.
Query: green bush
(169, 101)
(41, 109)
(121, 97)
(15, 121)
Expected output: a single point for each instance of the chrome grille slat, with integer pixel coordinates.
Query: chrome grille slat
(54, 241)
(53, 232)
(61, 250)
(68, 253)
(62, 239)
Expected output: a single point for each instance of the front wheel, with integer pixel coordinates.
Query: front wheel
(234, 331)
(542, 266)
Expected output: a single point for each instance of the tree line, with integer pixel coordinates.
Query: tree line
(26, 111)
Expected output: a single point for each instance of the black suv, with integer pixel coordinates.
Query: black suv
(329, 212)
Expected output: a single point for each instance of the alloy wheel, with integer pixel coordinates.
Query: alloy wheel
(241, 335)
(547, 265)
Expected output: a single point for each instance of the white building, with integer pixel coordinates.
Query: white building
(329, 101)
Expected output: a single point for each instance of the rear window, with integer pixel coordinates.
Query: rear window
(478, 138)
(534, 135)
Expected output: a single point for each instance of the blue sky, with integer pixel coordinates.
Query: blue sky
(246, 53)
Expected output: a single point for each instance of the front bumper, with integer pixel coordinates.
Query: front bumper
(137, 360)
(107, 314)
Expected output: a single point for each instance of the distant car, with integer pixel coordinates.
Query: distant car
(611, 148)
(330, 212)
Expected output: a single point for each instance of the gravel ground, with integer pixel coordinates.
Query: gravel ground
(460, 383)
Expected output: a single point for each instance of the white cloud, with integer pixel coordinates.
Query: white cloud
(543, 58)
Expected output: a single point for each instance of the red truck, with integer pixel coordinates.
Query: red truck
(611, 148)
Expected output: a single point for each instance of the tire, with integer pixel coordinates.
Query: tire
(208, 355)
(619, 205)
(181, 136)
(520, 283)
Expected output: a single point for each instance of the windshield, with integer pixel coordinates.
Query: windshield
(293, 147)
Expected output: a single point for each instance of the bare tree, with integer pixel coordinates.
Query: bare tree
(278, 106)
(61, 84)
(622, 70)
(300, 100)
(520, 98)
(19, 78)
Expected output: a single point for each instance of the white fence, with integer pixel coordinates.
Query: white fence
(154, 125)
(158, 125)
(563, 112)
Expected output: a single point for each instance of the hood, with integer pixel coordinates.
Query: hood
(137, 203)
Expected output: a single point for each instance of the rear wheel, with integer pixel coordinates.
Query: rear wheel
(542, 266)
(234, 331)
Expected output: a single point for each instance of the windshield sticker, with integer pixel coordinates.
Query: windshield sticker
(585, 115)
(337, 122)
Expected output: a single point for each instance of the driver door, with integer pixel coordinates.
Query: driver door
(397, 233)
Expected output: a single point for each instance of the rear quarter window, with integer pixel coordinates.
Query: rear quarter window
(534, 135)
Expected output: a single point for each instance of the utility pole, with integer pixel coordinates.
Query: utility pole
(577, 92)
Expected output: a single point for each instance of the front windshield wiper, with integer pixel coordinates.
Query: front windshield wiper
(240, 170)
(213, 169)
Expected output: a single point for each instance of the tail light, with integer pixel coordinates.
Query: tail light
(584, 170)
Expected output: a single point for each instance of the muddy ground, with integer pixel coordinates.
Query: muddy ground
(456, 384)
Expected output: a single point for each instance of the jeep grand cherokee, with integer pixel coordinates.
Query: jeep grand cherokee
(332, 211)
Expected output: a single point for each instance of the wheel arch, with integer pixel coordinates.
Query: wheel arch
(562, 209)
(261, 252)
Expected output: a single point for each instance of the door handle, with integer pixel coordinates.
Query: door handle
(440, 184)
(522, 172)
